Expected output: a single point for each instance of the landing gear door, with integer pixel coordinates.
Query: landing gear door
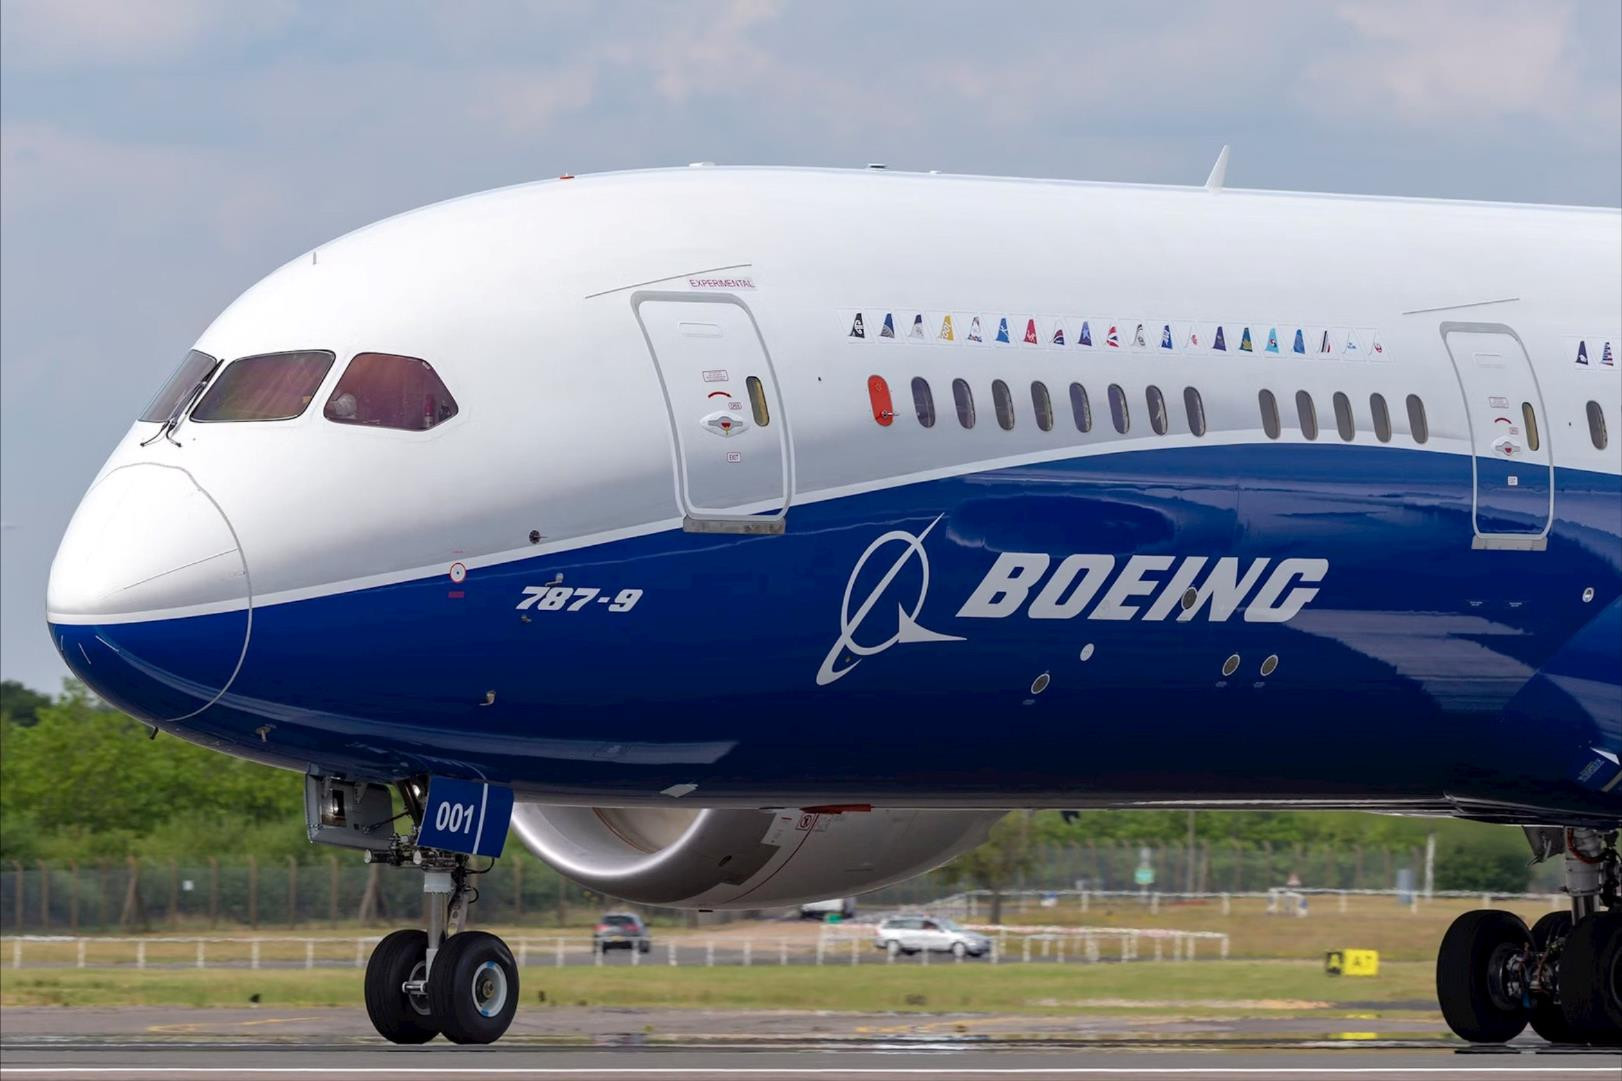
(733, 468)
(1513, 468)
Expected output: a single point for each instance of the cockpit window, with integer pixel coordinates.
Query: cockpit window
(382, 390)
(271, 386)
(192, 369)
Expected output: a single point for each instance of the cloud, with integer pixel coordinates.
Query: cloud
(1444, 67)
(96, 33)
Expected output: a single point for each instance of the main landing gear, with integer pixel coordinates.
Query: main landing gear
(420, 984)
(1562, 976)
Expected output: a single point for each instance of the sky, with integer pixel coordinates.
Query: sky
(159, 156)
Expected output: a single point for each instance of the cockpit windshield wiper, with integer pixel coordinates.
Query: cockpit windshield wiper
(177, 414)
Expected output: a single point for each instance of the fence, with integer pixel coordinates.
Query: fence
(1053, 945)
(1278, 900)
(141, 896)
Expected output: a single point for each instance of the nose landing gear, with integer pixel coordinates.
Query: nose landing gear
(443, 981)
(1494, 976)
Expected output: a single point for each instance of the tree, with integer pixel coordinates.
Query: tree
(20, 705)
(1009, 850)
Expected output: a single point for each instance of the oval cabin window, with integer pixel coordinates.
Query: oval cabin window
(1270, 421)
(1382, 417)
(878, 395)
(923, 402)
(1344, 424)
(1157, 410)
(1596, 426)
(1195, 408)
(1117, 408)
(1080, 408)
(1003, 402)
(1307, 413)
(757, 400)
(1042, 405)
(1418, 426)
(963, 398)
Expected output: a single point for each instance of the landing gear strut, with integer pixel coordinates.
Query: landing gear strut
(1563, 976)
(420, 984)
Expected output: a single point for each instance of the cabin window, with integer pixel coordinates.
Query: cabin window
(1596, 426)
(1344, 424)
(271, 386)
(1529, 417)
(757, 400)
(1417, 425)
(1307, 414)
(1003, 403)
(1117, 408)
(964, 399)
(923, 402)
(1157, 410)
(1195, 408)
(1382, 417)
(194, 368)
(1270, 422)
(878, 396)
(382, 390)
(1081, 408)
(1042, 406)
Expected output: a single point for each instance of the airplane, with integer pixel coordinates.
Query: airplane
(741, 537)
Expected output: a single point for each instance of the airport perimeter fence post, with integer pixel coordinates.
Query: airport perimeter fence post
(820, 944)
(1227, 904)
(78, 961)
(360, 953)
(923, 955)
(201, 950)
(1025, 951)
(1058, 950)
(782, 951)
(253, 955)
(855, 958)
(309, 953)
(1222, 947)
(16, 953)
(636, 954)
(1160, 946)
(559, 953)
(140, 954)
(709, 953)
(748, 952)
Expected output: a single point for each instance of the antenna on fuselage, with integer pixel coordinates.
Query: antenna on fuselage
(1219, 172)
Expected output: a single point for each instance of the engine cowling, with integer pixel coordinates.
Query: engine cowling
(731, 859)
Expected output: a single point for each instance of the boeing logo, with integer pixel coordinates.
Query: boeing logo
(1079, 580)
(1144, 587)
(907, 629)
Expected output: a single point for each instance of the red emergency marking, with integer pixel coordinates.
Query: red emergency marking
(838, 808)
(878, 392)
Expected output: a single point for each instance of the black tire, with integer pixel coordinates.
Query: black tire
(1548, 1019)
(1468, 976)
(1591, 978)
(473, 989)
(398, 1017)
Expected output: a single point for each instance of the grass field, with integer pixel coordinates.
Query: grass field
(1252, 988)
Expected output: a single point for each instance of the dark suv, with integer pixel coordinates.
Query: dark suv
(621, 929)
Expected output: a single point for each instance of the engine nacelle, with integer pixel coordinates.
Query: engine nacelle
(706, 858)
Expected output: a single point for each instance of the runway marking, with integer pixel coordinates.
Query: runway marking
(814, 1071)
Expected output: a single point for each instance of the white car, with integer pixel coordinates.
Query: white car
(912, 934)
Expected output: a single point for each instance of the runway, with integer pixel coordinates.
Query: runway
(652, 1045)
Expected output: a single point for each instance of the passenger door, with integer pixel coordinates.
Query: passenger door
(1513, 468)
(726, 414)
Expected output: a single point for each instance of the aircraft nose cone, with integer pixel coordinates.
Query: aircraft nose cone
(148, 600)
